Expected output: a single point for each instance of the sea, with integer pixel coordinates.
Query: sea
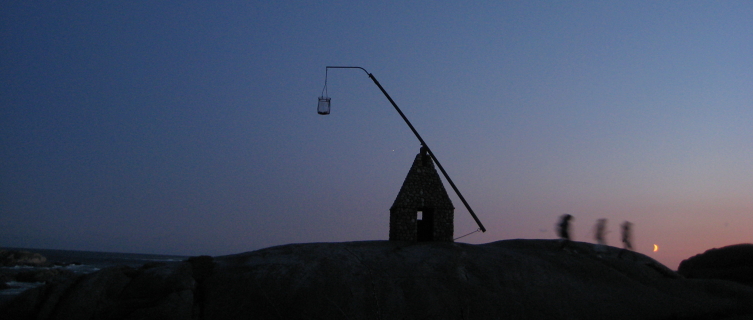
(80, 262)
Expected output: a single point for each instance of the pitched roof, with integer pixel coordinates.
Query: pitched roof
(422, 186)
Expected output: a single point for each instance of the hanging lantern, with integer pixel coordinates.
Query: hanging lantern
(323, 107)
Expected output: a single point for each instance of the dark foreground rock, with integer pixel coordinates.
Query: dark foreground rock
(513, 279)
(41, 275)
(733, 263)
(155, 291)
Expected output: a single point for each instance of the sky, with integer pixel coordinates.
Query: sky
(191, 128)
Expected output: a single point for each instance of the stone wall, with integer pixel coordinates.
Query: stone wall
(422, 190)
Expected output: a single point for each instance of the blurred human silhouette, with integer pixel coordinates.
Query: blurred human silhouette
(600, 231)
(627, 237)
(563, 229)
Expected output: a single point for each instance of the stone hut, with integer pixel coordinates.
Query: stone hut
(422, 210)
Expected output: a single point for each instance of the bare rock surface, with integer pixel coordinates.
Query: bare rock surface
(733, 263)
(41, 275)
(514, 279)
(151, 292)
(511, 279)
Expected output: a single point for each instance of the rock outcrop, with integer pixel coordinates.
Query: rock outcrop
(733, 263)
(36, 269)
(41, 275)
(10, 258)
(154, 291)
(512, 279)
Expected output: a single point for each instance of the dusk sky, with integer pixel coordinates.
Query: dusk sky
(190, 127)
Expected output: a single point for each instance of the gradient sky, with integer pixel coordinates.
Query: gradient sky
(191, 128)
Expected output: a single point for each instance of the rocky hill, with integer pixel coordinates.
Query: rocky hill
(734, 263)
(511, 279)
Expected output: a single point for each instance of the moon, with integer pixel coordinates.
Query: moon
(656, 248)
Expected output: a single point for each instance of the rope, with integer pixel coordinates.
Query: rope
(324, 90)
(467, 234)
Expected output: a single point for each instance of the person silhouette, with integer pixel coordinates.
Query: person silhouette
(563, 230)
(627, 237)
(600, 230)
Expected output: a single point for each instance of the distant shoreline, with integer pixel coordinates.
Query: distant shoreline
(69, 262)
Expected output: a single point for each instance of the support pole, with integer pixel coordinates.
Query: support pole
(423, 143)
